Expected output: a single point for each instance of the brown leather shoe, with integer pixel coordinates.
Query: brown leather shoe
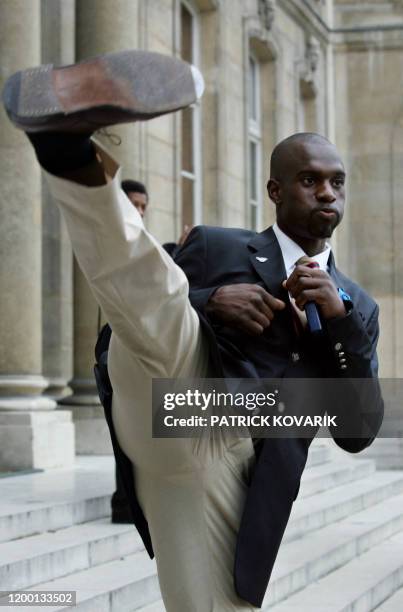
(105, 90)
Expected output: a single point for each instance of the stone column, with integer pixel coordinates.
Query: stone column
(105, 27)
(92, 435)
(32, 435)
(101, 27)
(58, 47)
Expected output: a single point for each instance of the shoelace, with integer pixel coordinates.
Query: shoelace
(114, 139)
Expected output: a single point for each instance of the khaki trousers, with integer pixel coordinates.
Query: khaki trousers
(192, 491)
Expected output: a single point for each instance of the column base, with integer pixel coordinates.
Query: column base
(23, 404)
(57, 389)
(84, 393)
(24, 392)
(92, 432)
(39, 439)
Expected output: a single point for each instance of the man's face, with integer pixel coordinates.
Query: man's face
(310, 194)
(139, 200)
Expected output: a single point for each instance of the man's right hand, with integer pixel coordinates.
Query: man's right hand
(244, 306)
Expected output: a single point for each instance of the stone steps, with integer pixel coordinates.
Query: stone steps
(55, 553)
(327, 507)
(318, 454)
(43, 557)
(307, 559)
(392, 604)
(336, 545)
(157, 606)
(359, 586)
(387, 452)
(362, 567)
(56, 498)
(57, 516)
(332, 474)
(121, 585)
(299, 564)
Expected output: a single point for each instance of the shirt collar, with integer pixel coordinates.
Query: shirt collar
(291, 252)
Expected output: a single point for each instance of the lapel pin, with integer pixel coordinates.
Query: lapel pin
(261, 259)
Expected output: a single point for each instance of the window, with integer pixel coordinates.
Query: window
(254, 144)
(191, 126)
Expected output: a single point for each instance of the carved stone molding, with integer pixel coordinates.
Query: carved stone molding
(266, 9)
(309, 69)
(313, 53)
(260, 31)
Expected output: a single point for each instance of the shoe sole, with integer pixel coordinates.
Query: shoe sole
(105, 90)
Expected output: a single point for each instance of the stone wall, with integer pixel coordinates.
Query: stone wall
(369, 120)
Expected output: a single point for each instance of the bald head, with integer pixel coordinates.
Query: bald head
(307, 186)
(294, 150)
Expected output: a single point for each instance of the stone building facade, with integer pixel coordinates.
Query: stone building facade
(272, 67)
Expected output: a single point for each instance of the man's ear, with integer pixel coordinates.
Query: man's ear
(274, 191)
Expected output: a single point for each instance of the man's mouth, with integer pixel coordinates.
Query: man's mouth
(327, 213)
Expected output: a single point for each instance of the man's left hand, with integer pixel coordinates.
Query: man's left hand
(314, 285)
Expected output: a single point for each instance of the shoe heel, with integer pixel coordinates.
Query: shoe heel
(28, 96)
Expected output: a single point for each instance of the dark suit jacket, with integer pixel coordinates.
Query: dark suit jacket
(212, 257)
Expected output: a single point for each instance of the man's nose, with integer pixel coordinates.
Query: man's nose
(325, 193)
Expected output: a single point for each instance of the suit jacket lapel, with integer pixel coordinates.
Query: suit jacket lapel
(333, 270)
(266, 258)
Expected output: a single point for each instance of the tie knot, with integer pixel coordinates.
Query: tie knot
(306, 261)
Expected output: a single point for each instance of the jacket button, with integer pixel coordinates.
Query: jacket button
(295, 357)
(338, 346)
(343, 367)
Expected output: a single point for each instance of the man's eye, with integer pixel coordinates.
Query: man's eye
(308, 181)
(339, 182)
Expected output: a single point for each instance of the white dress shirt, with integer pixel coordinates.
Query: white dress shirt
(292, 252)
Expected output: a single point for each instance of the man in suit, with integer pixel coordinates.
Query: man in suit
(254, 331)
(212, 509)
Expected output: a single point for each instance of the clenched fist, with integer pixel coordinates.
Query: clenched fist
(247, 307)
(314, 285)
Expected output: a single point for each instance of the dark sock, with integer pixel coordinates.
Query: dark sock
(60, 152)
